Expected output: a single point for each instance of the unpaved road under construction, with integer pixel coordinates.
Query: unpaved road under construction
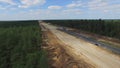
(80, 49)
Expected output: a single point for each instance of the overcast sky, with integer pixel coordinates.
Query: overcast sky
(59, 9)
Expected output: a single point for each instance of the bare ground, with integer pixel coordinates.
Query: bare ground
(81, 52)
(58, 57)
(114, 41)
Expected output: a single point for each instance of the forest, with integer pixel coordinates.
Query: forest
(20, 45)
(110, 28)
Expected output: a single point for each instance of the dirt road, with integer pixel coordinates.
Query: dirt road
(79, 48)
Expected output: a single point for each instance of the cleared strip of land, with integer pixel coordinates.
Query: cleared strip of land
(79, 48)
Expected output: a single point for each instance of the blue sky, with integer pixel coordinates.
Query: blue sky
(59, 9)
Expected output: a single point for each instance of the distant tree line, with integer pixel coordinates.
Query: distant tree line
(6, 24)
(109, 28)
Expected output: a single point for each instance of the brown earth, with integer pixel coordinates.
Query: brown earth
(113, 41)
(58, 58)
(65, 49)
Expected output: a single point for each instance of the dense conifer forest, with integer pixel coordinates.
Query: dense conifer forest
(20, 45)
(109, 28)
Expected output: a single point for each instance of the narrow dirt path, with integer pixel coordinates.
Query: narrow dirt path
(80, 49)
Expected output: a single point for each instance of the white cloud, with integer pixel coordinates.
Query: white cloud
(54, 7)
(23, 3)
(75, 4)
(103, 5)
(73, 11)
(11, 2)
(28, 3)
(96, 4)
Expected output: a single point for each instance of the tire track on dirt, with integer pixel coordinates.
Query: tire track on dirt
(88, 52)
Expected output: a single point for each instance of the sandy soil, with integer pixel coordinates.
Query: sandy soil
(58, 57)
(115, 42)
(80, 49)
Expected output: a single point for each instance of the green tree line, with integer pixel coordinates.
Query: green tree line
(109, 28)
